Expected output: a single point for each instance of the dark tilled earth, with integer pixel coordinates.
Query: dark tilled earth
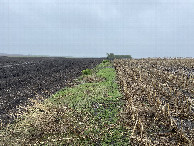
(23, 78)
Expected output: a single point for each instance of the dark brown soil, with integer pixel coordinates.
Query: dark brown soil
(23, 78)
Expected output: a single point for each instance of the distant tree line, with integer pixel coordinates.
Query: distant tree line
(112, 56)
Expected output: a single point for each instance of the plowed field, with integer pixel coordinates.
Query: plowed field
(23, 78)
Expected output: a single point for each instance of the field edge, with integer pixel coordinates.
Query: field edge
(88, 113)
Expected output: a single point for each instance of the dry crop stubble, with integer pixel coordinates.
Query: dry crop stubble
(159, 95)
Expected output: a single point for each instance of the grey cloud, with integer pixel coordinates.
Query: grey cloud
(151, 28)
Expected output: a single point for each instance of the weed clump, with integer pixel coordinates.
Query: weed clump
(87, 72)
(105, 61)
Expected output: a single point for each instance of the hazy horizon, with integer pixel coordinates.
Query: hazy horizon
(92, 28)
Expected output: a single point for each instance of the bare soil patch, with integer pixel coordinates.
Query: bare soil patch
(24, 78)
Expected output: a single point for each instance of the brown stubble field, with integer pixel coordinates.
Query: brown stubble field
(159, 96)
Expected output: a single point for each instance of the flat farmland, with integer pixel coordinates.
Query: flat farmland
(23, 78)
(121, 102)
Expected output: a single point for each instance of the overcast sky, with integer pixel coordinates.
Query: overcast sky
(141, 28)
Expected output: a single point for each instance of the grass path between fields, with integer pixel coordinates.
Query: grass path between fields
(85, 114)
